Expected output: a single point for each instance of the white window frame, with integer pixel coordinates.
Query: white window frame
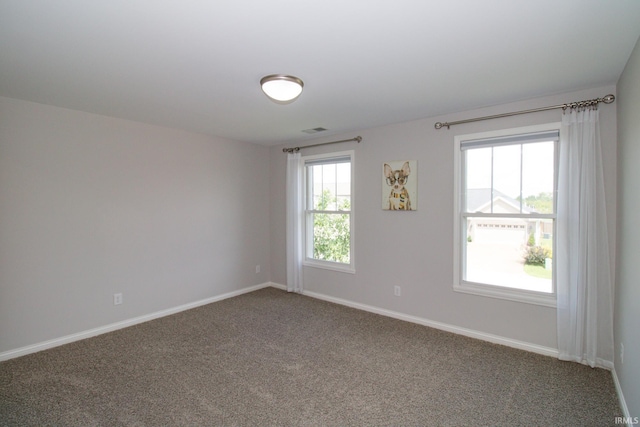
(460, 285)
(308, 230)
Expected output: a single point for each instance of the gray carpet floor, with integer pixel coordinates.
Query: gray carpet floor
(274, 358)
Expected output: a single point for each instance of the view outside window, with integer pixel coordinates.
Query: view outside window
(508, 214)
(329, 210)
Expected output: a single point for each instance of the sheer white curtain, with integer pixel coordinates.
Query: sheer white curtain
(584, 286)
(295, 217)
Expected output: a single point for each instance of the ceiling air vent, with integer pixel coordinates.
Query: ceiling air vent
(314, 130)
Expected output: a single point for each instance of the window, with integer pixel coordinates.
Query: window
(328, 211)
(505, 207)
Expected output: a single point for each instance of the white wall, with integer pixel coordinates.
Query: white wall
(91, 206)
(415, 249)
(627, 318)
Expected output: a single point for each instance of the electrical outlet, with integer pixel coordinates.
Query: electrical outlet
(621, 353)
(397, 291)
(257, 269)
(117, 299)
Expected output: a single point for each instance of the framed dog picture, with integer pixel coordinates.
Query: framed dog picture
(400, 185)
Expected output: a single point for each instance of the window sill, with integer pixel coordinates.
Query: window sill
(329, 265)
(511, 294)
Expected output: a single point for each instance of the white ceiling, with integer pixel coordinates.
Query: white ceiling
(196, 64)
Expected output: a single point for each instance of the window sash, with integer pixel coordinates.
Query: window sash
(310, 183)
(516, 289)
(526, 138)
(532, 215)
(517, 140)
(310, 237)
(327, 160)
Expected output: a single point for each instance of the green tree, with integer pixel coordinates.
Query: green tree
(542, 203)
(331, 233)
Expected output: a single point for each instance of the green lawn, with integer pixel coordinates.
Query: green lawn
(537, 271)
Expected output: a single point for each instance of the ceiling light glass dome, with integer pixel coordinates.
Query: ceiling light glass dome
(281, 88)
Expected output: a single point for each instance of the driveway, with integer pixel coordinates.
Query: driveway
(501, 265)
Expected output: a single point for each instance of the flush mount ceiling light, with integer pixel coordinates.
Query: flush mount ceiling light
(281, 88)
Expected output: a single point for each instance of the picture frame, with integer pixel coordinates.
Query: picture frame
(400, 185)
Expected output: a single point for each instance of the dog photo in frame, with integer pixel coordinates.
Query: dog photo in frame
(400, 185)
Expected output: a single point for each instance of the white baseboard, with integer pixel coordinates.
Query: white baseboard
(495, 339)
(122, 324)
(278, 285)
(623, 403)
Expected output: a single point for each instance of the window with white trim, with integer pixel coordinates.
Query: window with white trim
(328, 211)
(505, 208)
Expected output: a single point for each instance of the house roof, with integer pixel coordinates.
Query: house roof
(479, 200)
(196, 65)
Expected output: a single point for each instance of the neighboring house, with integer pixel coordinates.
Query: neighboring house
(501, 230)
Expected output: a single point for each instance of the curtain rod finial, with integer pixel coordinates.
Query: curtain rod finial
(608, 99)
(440, 125)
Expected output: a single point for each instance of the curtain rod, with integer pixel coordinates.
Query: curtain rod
(579, 104)
(291, 150)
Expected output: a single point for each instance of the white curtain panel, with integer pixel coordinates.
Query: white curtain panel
(295, 217)
(583, 273)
